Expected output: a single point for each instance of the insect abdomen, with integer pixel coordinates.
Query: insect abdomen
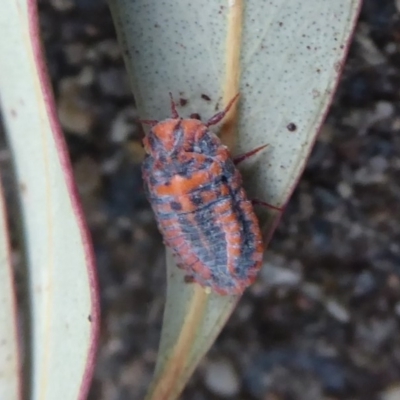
(218, 242)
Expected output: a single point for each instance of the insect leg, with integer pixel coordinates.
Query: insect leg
(238, 159)
(150, 122)
(256, 202)
(219, 116)
(173, 107)
(189, 279)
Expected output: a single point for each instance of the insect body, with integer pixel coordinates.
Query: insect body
(200, 205)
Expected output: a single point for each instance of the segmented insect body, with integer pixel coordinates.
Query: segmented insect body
(200, 205)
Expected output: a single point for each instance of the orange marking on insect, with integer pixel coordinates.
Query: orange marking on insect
(192, 125)
(163, 132)
(187, 204)
(209, 197)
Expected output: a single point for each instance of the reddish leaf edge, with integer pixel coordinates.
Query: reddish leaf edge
(38, 53)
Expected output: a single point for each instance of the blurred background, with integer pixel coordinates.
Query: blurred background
(323, 319)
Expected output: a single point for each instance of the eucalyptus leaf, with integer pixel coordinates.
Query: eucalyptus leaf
(284, 58)
(62, 285)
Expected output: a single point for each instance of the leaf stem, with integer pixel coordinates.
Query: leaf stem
(168, 387)
(232, 69)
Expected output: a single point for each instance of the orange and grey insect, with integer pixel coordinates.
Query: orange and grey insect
(200, 205)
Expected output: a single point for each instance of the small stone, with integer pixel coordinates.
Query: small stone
(327, 133)
(86, 76)
(371, 53)
(377, 332)
(87, 174)
(322, 234)
(391, 47)
(393, 282)
(337, 311)
(136, 151)
(123, 125)
(378, 164)
(92, 30)
(345, 190)
(306, 205)
(393, 392)
(133, 373)
(355, 118)
(109, 48)
(394, 248)
(275, 275)
(383, 110)
(114, 82)
(365, 176)
(396, 123)
(62, 5)
(396, 163)
(397, 310)
(92, 55)
(74, 114)
(326, 197)
(110, 165)
(221, 378)
(312, 290)
(364, 284)
(75, 53)
(245, 311)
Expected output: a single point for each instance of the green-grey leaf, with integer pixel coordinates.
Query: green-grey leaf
(62, 286)
(291, 55)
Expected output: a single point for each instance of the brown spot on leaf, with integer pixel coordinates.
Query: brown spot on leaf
(316, 93)
(195, 116)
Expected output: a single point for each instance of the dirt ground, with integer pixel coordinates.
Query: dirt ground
(322, 322)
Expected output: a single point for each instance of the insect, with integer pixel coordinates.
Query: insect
(199, 202)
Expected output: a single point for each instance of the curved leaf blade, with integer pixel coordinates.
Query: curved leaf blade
(63, 288)
(290, 58)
